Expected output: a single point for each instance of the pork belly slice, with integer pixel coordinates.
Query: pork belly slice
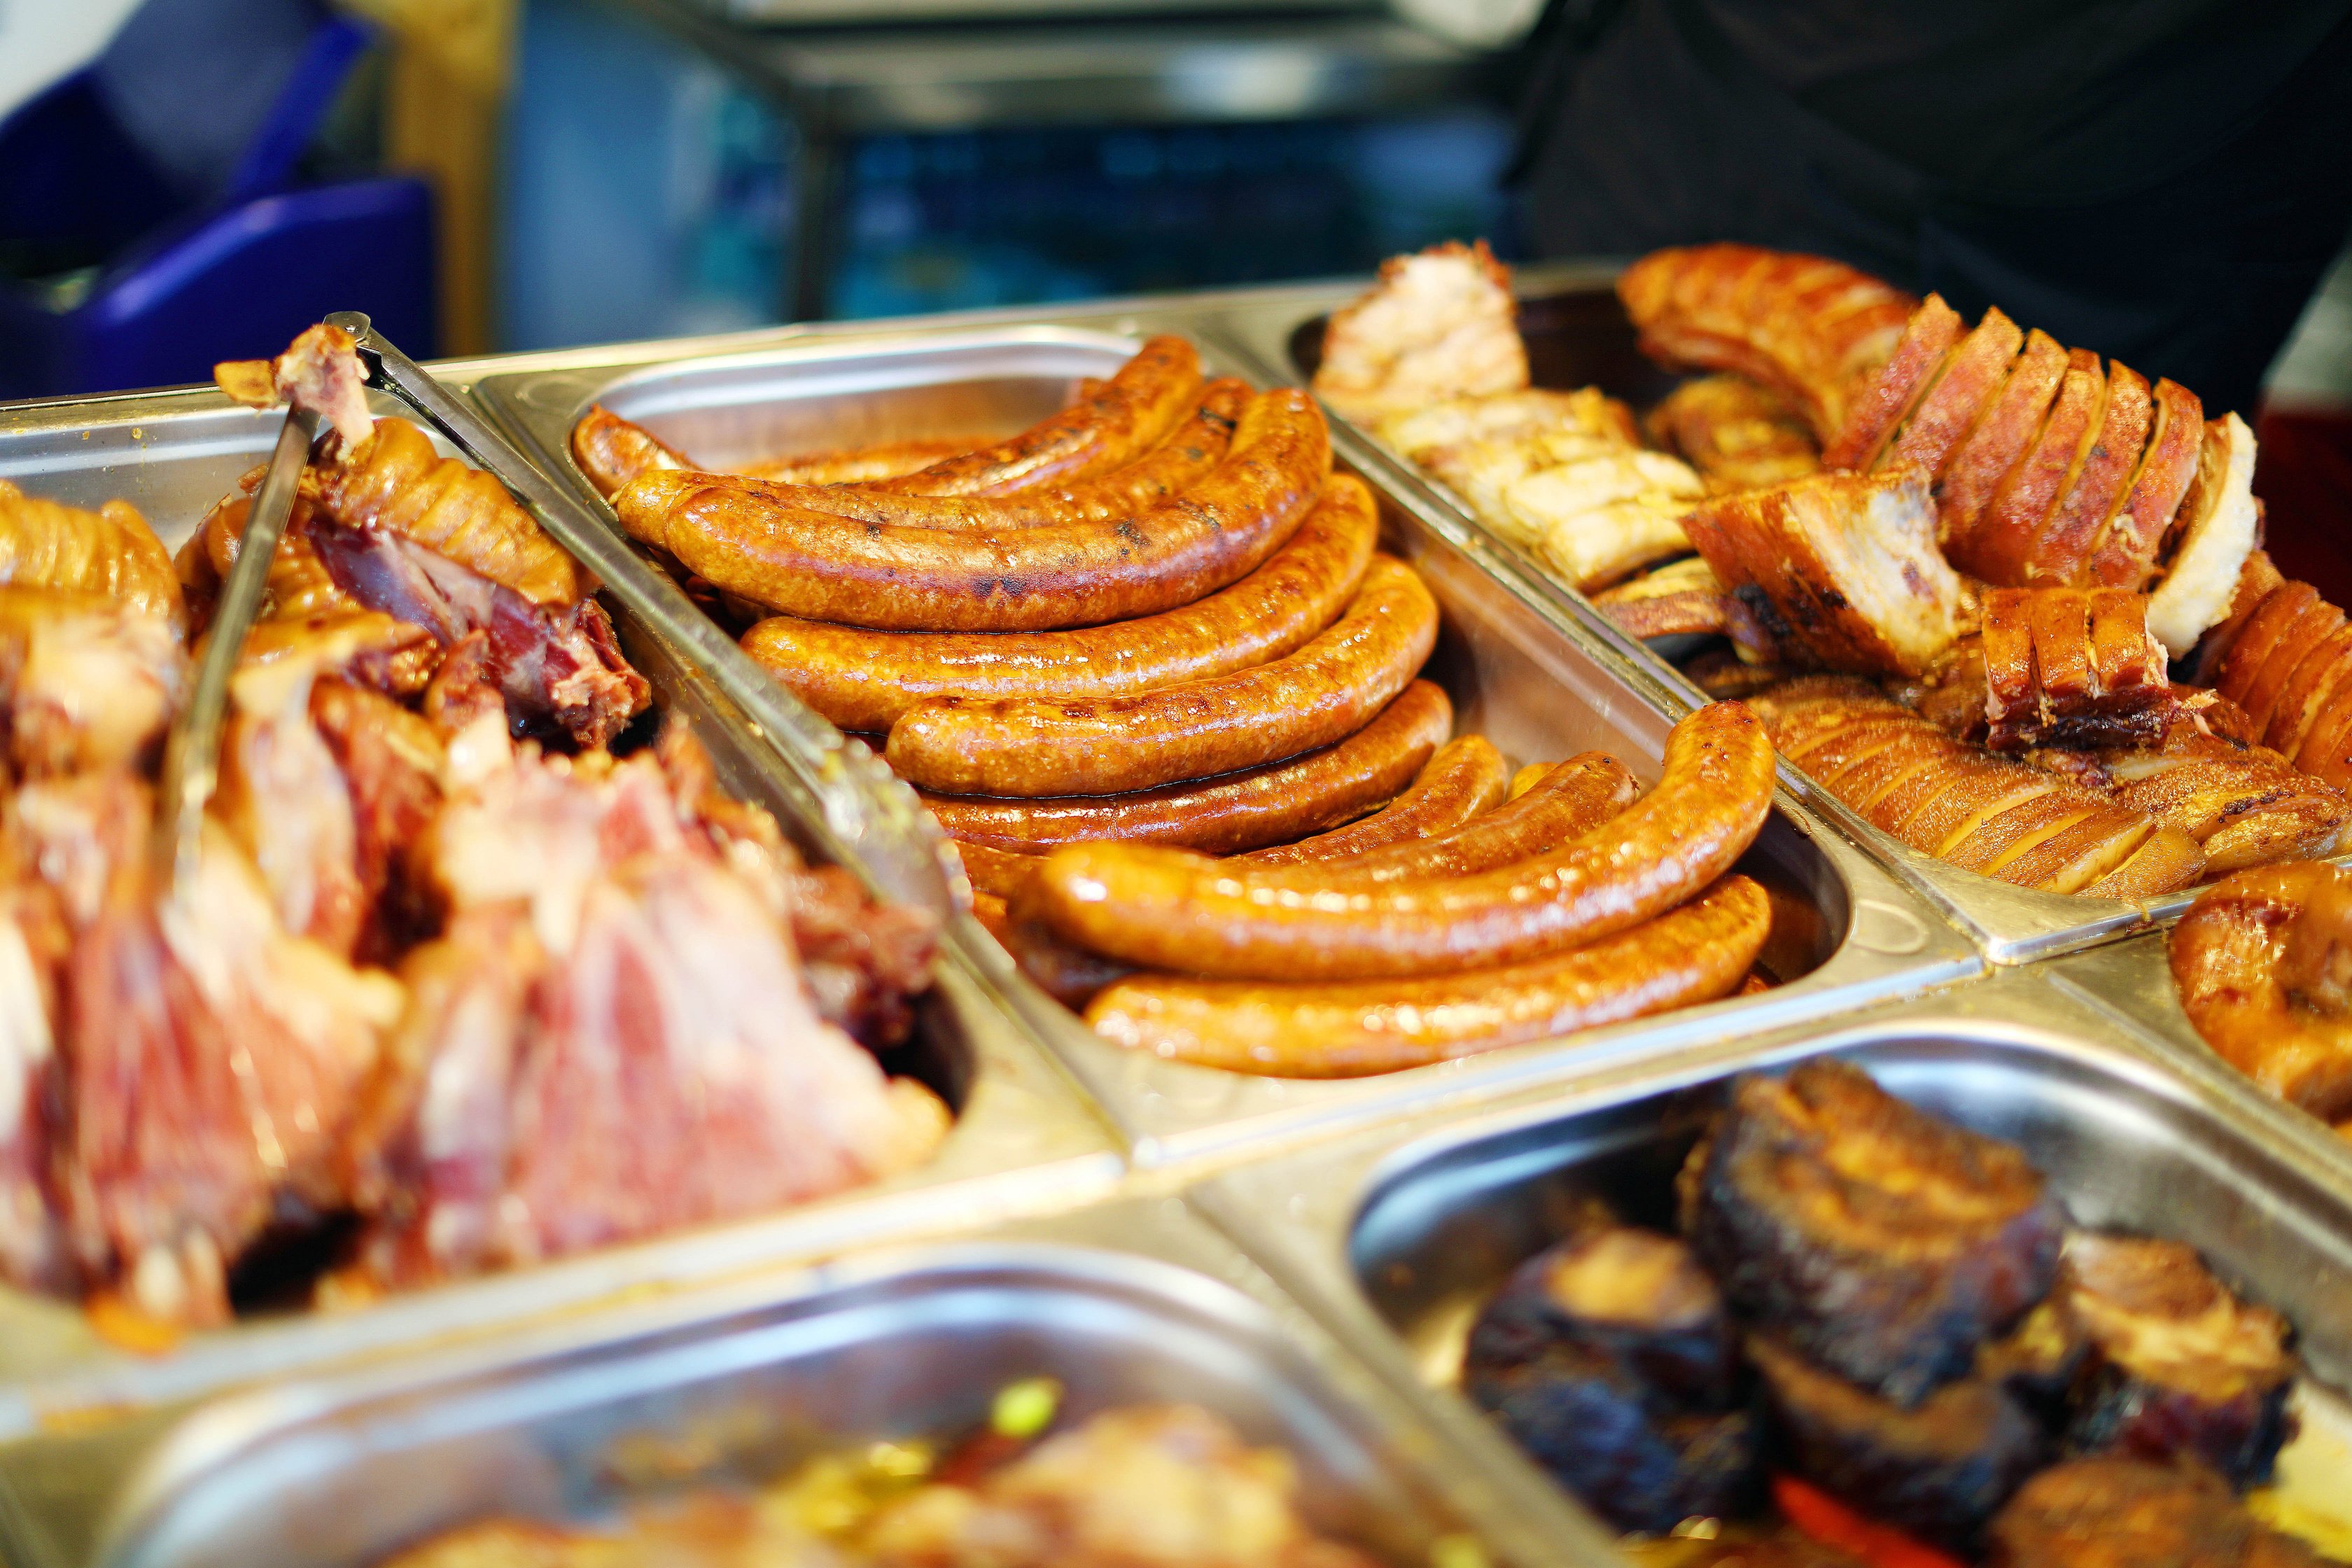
(2254, 670)
(2119, 1512)
(2072, 668)
(1973, 375)
(2000, 547)
(2011, 423)
(2181, 1367)
(1847, 562)
(1739, 435)
(1938, 1470)
(1610, 1358)
(2096, 488)
(1437, 324)
(1875, 413)
(2216, 529)
(2245, 805)
(1879, 1242)
(2127, 557)
(2168, 861)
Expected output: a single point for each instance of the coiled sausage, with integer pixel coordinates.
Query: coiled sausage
(863, 681)
(1039, 579)
(1465, 778)
(1322, 693)
(1241, 811)
(1692, 955)
(1166, 910)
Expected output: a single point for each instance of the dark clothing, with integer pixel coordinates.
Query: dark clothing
(2163, 181)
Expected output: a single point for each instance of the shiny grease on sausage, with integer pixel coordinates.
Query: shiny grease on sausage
(1166, 909)
(1465, 778)
(1691, 955)
(1315, 697)
(863, 680)
(1241, 811)
(1039, 579)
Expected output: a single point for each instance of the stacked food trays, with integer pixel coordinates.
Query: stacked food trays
(1577, 335)
(1288, 1253)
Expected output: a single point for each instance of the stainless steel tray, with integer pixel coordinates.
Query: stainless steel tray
(1577, 335)
(1396, 1238)
(1848, 934)
(1135, 1300)
(1022, 1139)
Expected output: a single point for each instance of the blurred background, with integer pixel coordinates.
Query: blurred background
(184, 181)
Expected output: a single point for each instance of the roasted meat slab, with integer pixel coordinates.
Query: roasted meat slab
(1610, 1358)
(2130, 1513)
(1882, 1244)
(1437, 325)
(2263, 964)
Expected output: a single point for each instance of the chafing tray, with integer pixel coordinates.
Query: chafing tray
(1137, 1300)
(1845, 932)
(1395, 1238)
(1577, 335)
(1023, 1140)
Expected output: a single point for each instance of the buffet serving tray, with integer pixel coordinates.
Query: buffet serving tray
(1845, 933)
(1396, 1238)
(1134, 1300)
(1022, 1139)
(1577, 335)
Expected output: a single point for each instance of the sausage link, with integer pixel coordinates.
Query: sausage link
(863, 681)
(1070, 975)
(1166, 910)
(1573, 799)
(1349, 1029)
(998, 871)
(1174, 465)
(1039, 579)
(1465, 778)
(611, 451)
(853, 465)
(1109, 425)
(990, 911)
(1527, 777)
(1263, 805)
(1316, 697)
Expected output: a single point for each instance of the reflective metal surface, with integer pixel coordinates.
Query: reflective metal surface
(1396, 1238)
(1134, 1301)
(1577, 335)
(1845, 933)
(1023, 1142)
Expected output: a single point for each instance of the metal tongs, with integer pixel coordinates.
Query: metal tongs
(192, 751)
(856, 809)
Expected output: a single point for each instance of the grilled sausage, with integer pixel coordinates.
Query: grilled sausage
(1110, 424)
(1692, 955)
(1465, 778)
(1263, 805)
(1194, 448)
(2259, 960)
(1315, 697)
(928, 579)
(1172, 911)
(863, 681)
(1573, 799)
(995, 872)
(612, 450)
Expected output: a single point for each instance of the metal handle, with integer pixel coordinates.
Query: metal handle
(192, 750)
(597, 542)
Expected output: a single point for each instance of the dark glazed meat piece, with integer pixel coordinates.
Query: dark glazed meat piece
(2130, 1513)
(1938, 1471)
(1609, 1358)
(2183, 1368)
(1873, 1238)
(2038, 1360)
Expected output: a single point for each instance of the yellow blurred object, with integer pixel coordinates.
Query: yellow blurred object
(451, 62)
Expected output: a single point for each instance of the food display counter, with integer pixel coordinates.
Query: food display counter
(1300, 1257)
